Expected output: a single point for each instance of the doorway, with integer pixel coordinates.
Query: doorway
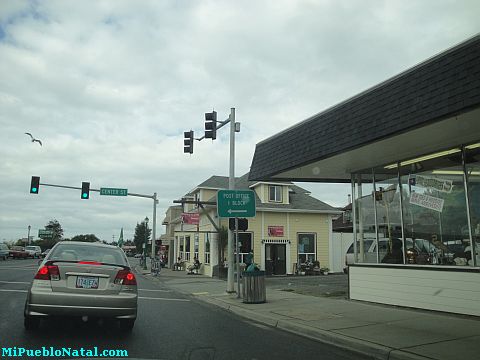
(275, 259)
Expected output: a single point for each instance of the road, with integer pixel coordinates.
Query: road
(170, 325)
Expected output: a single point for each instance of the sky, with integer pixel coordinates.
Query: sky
(109, 87)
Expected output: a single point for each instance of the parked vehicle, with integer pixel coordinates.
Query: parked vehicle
(418, 251)
(18, 252)
(4, 251)
(83, 279)
(45, 253)
(34, 251)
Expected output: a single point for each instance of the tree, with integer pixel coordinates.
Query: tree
(48, 241)
(85, 238)
(141, 231)
(222, 243)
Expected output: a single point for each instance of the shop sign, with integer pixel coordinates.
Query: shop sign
(191, 218)
(432, 183)
(427, 201)
(275, 231)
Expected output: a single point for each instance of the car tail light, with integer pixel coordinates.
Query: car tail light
(48, 272)
(125, 277)
(90, 263)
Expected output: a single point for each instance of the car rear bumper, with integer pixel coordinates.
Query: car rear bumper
(44, 303)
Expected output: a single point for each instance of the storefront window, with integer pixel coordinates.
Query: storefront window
(306, 248)
(416, 211)
(435, 210)
(472, 160)
(187, 248)
(207, 249)
(365, 218)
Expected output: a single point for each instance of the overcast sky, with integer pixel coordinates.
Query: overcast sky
(110, 86)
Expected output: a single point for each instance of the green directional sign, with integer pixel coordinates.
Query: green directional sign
(113, 192)
(236, 203)
(45, 233)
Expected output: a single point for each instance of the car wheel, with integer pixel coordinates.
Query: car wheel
(126, 324)
(31, 322)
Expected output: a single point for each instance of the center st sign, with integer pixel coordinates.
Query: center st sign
(236, 203)
(113, 192)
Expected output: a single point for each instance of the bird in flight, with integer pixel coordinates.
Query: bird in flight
(33, 139)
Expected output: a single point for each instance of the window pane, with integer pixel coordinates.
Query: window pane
(473, 171)
(306, 243)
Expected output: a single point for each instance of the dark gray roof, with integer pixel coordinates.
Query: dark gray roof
(445, 85)
(299, 197)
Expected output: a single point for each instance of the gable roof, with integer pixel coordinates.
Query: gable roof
(300, 198)
(444, 86)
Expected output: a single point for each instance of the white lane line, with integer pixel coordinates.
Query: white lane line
(15, 282)
(22, 291)
(165, 299)
(160, 290)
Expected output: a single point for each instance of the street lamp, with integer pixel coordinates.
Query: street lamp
(146, 241)
(28, 236)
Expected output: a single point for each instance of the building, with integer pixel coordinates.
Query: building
(410, 147)
(290, 228)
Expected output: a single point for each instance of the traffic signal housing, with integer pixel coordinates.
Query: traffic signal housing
(188, 142)
(242, 224)
(35, 185)
(85, 190)
(211, 125)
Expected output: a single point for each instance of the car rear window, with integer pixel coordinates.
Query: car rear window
(76, 252)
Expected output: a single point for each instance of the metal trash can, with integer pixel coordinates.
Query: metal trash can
(253, 289)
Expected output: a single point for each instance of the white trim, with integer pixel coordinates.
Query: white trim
(335, 212)
(262, 251)
(269, 183)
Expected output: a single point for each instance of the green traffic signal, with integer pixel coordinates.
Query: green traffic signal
(34, 184)
(85, 190)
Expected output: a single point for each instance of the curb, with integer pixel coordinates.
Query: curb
(361, 347)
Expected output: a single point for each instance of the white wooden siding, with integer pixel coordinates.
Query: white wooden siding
(441, 290)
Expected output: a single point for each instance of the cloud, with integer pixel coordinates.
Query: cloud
(109, 87)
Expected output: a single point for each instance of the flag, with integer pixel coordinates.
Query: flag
(120, 239)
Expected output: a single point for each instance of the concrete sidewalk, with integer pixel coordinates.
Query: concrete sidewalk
(379, 331)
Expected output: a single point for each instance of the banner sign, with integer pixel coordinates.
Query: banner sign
(432, 183)
(191, 218)
(427, 201)
(275, 231)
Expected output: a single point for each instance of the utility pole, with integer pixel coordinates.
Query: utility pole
(28, 236)
(155, 202)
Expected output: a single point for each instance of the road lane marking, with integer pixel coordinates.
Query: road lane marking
(201, 293)
(22, 291)
(15, 282)
(155, 290)
(166, 299)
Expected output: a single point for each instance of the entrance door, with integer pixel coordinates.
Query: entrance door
(275, 259)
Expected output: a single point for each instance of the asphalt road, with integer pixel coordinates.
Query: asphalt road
(170, 325)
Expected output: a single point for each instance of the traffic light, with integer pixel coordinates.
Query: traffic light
(85, 190)
(211, 125)
(242, 224)
(35, 185)
(188, 142)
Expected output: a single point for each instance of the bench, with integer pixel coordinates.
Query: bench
(193, 269)
(179, 266)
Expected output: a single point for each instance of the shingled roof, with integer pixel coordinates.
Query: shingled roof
(300, 198)
(444, 86)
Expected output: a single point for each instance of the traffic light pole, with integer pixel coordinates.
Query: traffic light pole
(154, 197)
(231, 186)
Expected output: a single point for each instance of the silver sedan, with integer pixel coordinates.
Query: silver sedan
(86, 280)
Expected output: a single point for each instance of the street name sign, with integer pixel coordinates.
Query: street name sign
(236, 203)
(113, 192)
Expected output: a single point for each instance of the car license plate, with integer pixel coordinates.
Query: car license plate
(87, 282)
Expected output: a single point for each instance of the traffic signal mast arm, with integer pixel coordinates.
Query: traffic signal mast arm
(222, 124)
(97, 190)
